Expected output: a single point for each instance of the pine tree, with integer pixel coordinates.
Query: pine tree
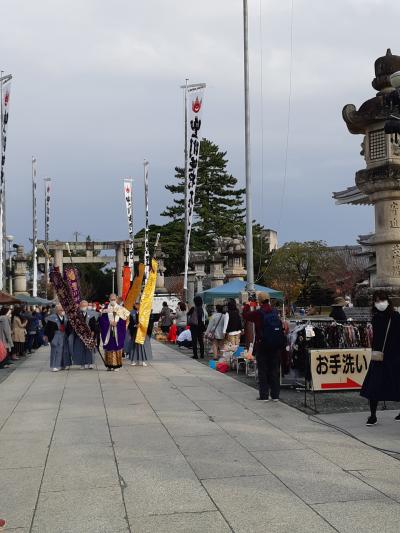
(218, 203)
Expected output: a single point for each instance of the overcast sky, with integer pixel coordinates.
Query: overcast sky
(96, 90)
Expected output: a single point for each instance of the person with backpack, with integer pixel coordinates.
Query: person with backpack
(197, 320)
(269, 341)
(216, 331)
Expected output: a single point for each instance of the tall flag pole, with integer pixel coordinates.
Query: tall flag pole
(146, 226)
(195, 96)
(5, 87)
(34, 228)
(249, 204)
(47, 191)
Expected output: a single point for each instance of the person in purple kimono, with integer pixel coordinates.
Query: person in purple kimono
(113, 326)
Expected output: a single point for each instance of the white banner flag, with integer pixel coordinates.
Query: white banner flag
(34, 228)
(146, 226)
(195, 95)
(5, 107)
(47, 191)
(129, 214)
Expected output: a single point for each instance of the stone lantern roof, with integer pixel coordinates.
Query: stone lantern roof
(374, 110)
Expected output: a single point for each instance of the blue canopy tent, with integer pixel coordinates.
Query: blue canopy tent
(234, 289)
(32, 300)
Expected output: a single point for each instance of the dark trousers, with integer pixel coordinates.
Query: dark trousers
(185, 344)
(268, 365)
(197, 337)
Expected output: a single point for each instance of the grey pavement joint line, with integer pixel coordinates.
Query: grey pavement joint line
(122, 482)
(21, 398)
(289, 435)
(48, 452)
(180, 451)
(252, 454)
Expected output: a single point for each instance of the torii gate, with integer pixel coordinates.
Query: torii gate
(121, 250)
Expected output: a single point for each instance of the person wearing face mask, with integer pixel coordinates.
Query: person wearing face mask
(113, 324)
(55, 334)
(382, 382)
(81, 355)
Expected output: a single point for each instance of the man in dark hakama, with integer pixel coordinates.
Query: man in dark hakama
(112, 324)
(81, 355)
(55, 334)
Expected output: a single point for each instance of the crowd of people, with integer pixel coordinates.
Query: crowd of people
(257, 324)
(21, 332)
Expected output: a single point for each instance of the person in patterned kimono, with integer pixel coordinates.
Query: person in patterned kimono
(113, 325)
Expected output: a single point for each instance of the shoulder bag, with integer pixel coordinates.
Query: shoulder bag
(377, 355)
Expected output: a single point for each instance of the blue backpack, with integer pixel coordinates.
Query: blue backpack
(272, 334)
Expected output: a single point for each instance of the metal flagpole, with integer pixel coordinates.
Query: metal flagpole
(249, 207)
(34, 229)
(146, 226)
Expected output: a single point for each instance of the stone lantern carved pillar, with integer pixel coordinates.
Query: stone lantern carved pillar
(198, 260)
(235, 250)
(379, 182)
(160, 256)
(20, 272)
(190, 291)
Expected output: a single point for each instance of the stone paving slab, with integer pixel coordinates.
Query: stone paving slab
(178, 447)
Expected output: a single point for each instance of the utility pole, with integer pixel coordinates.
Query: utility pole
(249, 206)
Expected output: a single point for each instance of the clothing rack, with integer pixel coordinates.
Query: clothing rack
(357, 338)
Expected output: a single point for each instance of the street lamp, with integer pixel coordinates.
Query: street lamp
(10, 239)
(113, 280)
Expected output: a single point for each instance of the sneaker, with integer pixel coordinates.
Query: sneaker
(55, 369)
(275, 399)
(116, 369)
(372, 421)
(133, 363)
(144, 364)
(397, 418)
(67, 368)
(263, 399)
(82, 367)
(3, 524)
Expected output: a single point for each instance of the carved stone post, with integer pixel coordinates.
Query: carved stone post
(20, 272)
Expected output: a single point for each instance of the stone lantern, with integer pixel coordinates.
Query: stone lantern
(379, 183)
(235, 250)
(20, 272)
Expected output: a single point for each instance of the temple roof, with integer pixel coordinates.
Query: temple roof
(351, 195)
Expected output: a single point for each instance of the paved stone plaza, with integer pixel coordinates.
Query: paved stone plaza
(177, 448)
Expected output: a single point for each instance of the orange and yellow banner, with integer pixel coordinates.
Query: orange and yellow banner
(126, 281)
(134, 291)
(146, 303)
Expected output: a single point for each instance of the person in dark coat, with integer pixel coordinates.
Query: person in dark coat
(197, 320)
(81, 355)
(55, 334)
(382, 382)
(337, 312)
